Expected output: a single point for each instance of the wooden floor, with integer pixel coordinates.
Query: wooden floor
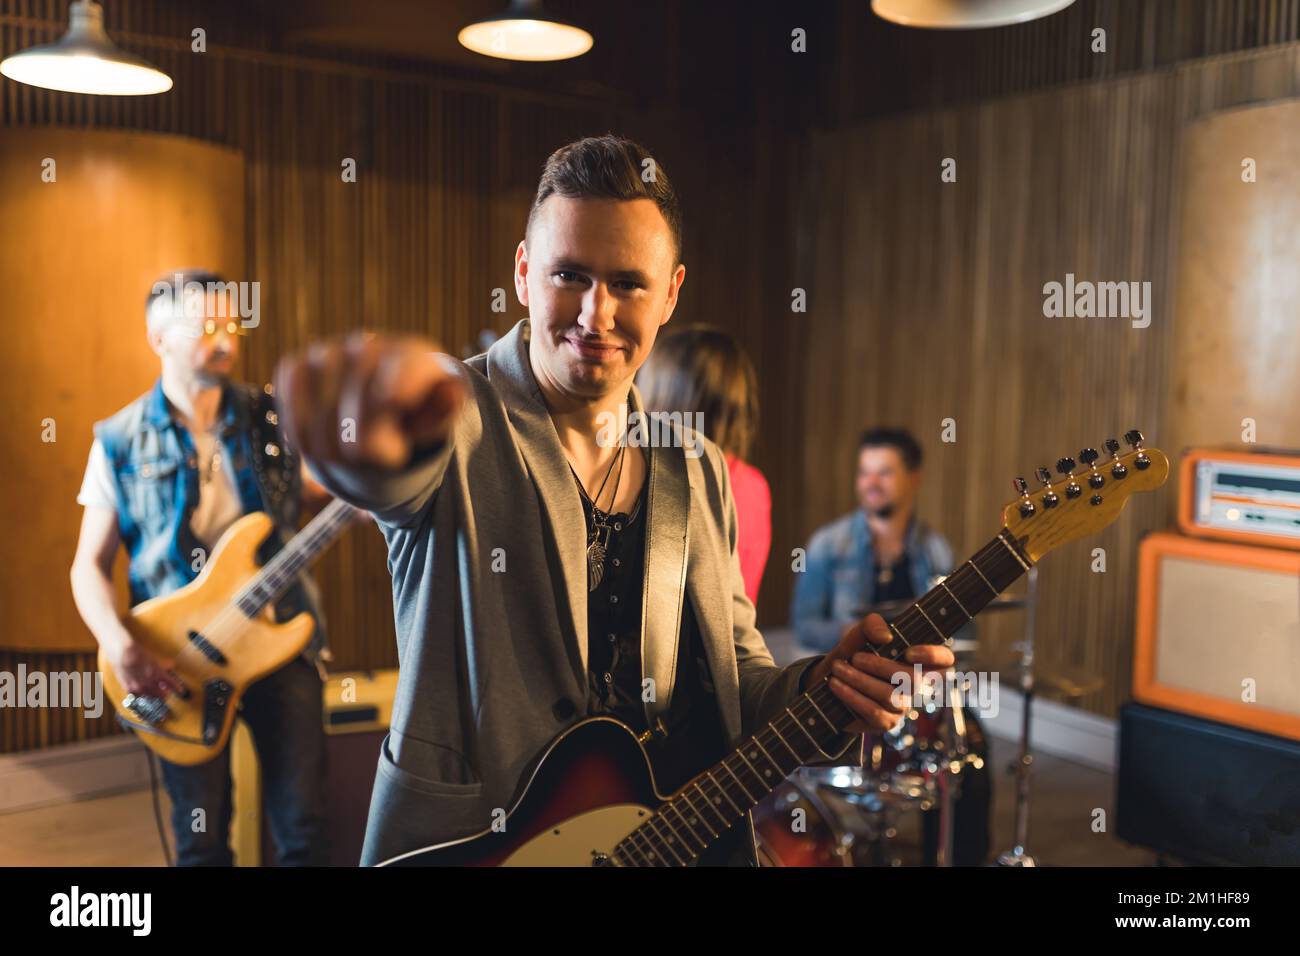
(108, 831)
(120, 831)
(1063, 796)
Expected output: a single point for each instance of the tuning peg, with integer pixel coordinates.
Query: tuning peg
(1118, 470)
(1050, 500)
(1065, 465)
(1026, 507)
(1134, 438)
(1089, 457)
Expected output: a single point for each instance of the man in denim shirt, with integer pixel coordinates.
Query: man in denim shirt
(880, 554)
(167, 475)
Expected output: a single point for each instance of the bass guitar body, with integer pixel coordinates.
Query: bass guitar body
(217, 650)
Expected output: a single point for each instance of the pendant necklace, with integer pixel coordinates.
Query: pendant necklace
(598, 534)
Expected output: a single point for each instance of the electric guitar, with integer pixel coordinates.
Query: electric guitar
(221, 631)
(590, 798)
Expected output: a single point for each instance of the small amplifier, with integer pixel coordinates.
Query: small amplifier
(1241, 496)
(1218, 632)
(357, 708)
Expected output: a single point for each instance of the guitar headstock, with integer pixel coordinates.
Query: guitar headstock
(1085, 496)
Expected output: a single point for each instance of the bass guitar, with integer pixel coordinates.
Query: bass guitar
(221, 632)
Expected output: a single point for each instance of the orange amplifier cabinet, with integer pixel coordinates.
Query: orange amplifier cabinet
(1241, 496)
(1218, 632)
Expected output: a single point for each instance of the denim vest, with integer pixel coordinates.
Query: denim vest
(156, 479)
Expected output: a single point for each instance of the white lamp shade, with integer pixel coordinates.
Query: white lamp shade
(524, 32)
(85, 60)
(964, 14)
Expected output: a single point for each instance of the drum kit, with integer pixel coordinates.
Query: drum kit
(852, 815)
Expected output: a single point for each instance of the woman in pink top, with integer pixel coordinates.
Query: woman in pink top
(702, 369)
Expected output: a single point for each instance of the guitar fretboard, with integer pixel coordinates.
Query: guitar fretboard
(810, 729)
(280, 571)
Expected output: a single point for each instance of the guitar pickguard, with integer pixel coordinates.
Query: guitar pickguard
(583, 840)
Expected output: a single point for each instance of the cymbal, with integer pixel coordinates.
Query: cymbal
(1067, 683)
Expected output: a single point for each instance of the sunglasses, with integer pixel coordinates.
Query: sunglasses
(211, 326)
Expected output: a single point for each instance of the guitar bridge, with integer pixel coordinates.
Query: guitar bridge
(147, 709)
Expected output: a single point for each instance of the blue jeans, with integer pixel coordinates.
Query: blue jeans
(283, 711)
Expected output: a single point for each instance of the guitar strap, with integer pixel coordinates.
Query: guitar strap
(668, 507)
(275, 465)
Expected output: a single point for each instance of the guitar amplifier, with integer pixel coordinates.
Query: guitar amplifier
(1207, 792)
(1218, 632)
(358, 706)
(1252, 498)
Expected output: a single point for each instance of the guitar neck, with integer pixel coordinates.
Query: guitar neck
(809, 728)
(281, 570)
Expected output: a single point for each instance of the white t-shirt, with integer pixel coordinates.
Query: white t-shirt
(219, 505)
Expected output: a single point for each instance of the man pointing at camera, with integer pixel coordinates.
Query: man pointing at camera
(542, 575)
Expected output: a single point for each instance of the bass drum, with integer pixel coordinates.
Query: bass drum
(801, 824)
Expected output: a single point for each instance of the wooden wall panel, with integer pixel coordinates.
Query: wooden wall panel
(1236, 344)
(77, 257)
(880, 68)
(927, 303)
(1077, 176)
(445, 172)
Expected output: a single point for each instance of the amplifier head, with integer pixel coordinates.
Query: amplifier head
(1241, 496)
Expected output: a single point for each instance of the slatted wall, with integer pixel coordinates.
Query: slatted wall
(445, 173)
(922, 299)
(927, 304)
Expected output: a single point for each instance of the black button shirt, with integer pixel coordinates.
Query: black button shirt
(695, 739)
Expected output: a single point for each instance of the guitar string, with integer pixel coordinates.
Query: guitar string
(328, 524)
(1002, 561)
(319, 532)
(232, 619)
(771, 739)
(230, 623)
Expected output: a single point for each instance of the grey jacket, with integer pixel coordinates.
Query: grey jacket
(487, 551)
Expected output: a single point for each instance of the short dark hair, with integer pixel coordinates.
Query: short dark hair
(171, 286)
(909, 449)
(609, 167)
(179, 277)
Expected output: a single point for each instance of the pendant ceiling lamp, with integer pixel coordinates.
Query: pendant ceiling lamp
(964, 14)
(86, 61)
(526, 32)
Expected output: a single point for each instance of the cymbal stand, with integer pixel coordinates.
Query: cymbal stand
(1018, 855)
